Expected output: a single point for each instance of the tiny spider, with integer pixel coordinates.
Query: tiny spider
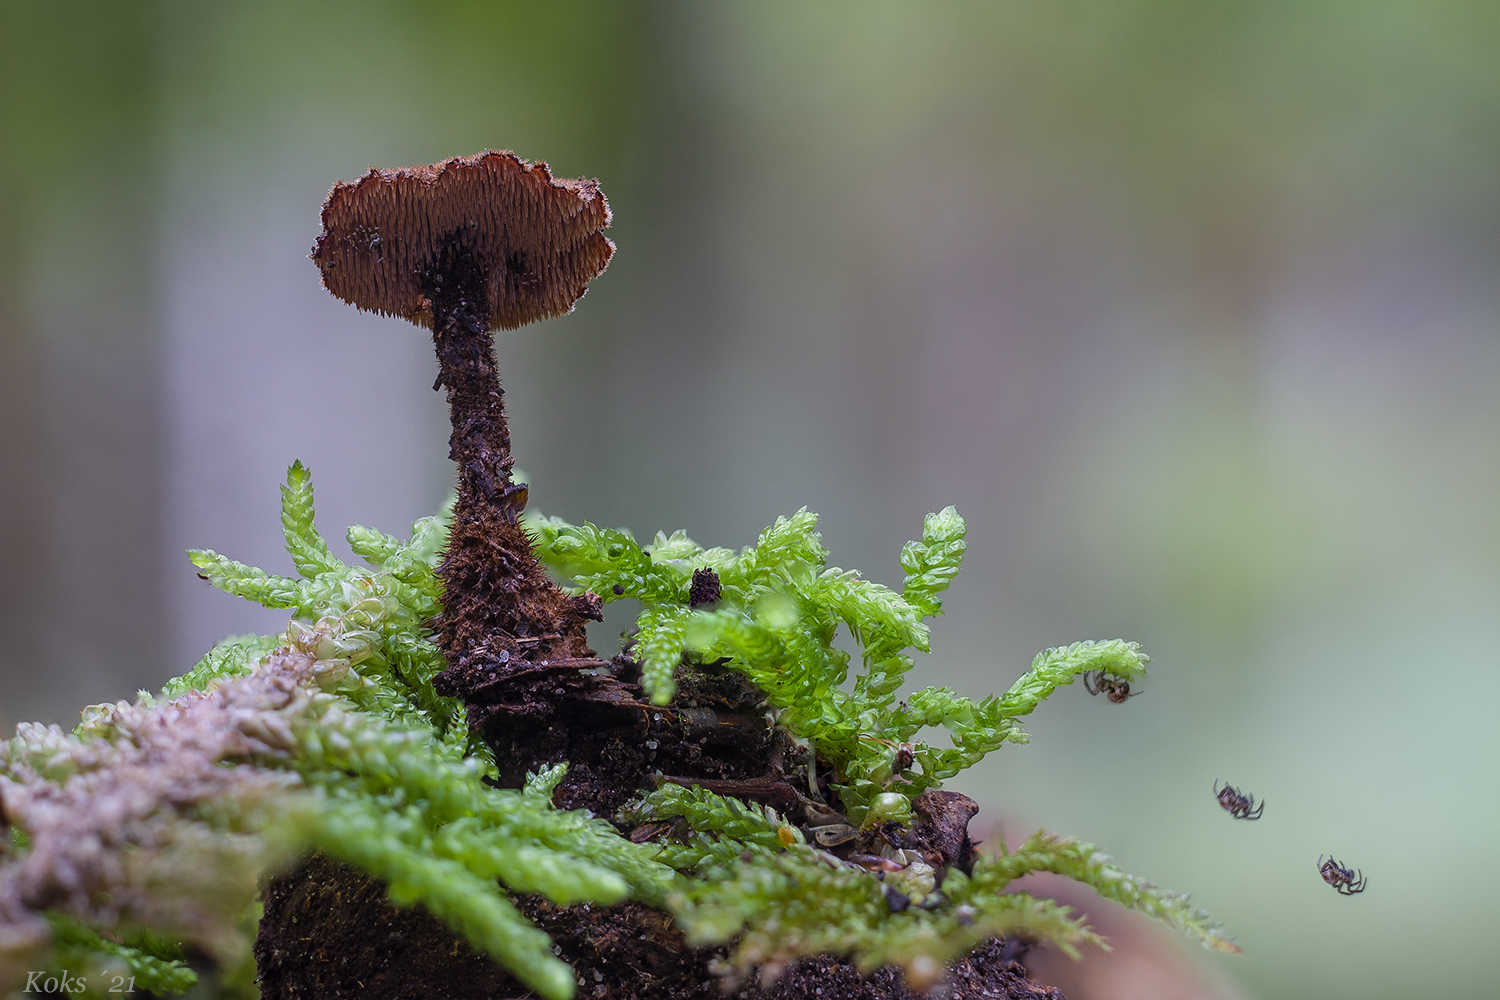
(1237, 805)
(905, 756)
(1117, 691)
(1347, 881)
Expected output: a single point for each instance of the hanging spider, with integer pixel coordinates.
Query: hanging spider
(1237, 805)
(1347, 881)
(1116, 691)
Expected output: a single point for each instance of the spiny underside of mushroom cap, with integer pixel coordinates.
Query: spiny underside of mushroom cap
(537, 239)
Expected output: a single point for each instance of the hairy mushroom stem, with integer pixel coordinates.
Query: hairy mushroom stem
(501, 612)
(455, 284)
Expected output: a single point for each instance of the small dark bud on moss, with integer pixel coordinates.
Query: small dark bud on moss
(704, 591)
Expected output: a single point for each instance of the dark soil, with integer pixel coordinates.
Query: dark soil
(330, 933)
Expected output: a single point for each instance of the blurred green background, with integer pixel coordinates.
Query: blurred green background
(1191, 308)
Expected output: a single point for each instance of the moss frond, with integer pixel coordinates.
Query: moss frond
(1053, 668)
(154, 965)
(719, 828)
(933, 561)
(309, 552)
(233, 657)
(1084, 863)
(661, 633)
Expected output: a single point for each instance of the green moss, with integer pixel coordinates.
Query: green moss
(382, 773)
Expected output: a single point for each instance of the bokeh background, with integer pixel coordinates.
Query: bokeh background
(1191, 308)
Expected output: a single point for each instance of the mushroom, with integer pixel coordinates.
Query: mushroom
(464, 246)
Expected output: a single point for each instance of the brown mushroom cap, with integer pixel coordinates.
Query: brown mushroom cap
(537, 239)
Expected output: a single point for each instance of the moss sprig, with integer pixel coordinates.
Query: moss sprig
(1084, 863)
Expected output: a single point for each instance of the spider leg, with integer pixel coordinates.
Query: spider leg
(1091, 680)
(1258, 809)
